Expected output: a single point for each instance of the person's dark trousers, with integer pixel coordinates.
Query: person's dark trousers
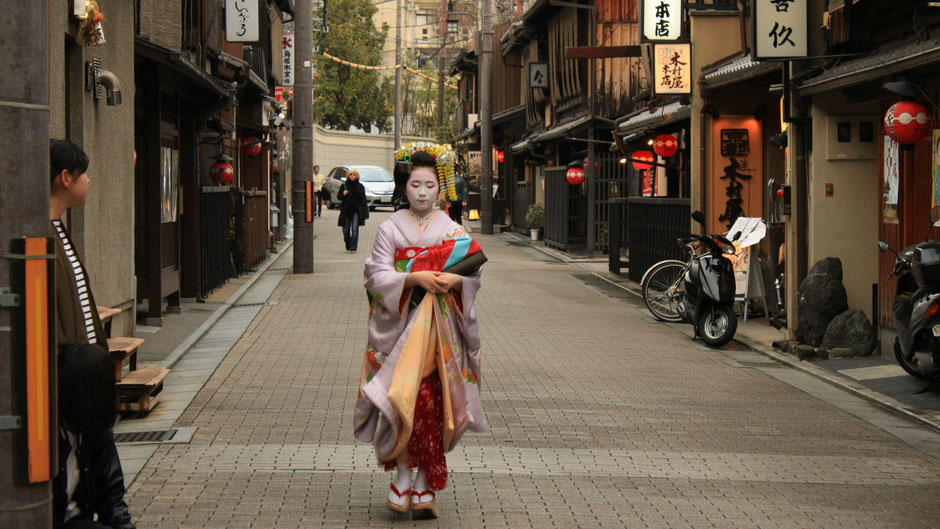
(319, 203)
(82, 523)
(456, 212)
(351, 231)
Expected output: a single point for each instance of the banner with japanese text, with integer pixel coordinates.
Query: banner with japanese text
(660, 20)
(781, 29)
(672, 69)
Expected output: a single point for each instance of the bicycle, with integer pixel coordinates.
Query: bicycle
(663, 287)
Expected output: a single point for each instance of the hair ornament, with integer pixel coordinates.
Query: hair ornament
(444, 157)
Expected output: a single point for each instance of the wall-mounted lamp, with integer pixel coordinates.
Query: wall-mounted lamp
(760, 112)
(98, 81)
(623, 161)
(650, 142)
(711, 112)
(780, 140)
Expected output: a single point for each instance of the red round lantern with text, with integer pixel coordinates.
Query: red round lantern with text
(666, 145)
(251, 147)
(575, 176)
(500, 156)
(639, 157)
(907, 122)
(222, 172)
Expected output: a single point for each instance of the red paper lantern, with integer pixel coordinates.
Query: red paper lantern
(575, 176)
(644, 156)
(222, 172)
(251, 147)
(666, 145)
(500, 156)
(907, 122)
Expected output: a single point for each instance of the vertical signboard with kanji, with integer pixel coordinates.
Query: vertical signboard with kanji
(287, 49)
(781, 29)
(242, 20)
(736, 183)
(660, 20)
(672, 69)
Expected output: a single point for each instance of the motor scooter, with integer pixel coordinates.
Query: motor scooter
(917, 305)
(708, 299)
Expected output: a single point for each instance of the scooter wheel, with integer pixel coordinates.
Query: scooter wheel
(717, 325)
(909, 367)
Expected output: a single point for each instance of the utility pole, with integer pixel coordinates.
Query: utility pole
(303, 199)
(486, 121)
(24, 186)
(440, 65)
(398, 74)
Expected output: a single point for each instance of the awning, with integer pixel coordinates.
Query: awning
(520, 146)
(560, 130)
(874, 66)
(509, 114)
(670, 113)
(177, 63)
(736, 71)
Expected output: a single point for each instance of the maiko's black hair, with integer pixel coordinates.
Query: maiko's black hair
(403, 172)
(87, 399)
(66, 156)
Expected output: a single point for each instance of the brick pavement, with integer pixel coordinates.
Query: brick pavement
(598, 418)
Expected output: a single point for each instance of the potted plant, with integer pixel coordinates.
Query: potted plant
(534, 218)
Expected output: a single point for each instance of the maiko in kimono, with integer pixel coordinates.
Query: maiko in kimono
(420, 382)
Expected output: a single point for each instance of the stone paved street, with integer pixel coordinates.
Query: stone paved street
(599, 417)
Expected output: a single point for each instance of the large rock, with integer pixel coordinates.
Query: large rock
(850, 330)
(822, 298)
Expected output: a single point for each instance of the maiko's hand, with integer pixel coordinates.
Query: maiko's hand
(430, 281)
(453, 281)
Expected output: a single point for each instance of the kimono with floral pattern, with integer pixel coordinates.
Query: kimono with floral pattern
(404, 328)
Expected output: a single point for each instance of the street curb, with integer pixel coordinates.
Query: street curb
(177, 354)
(850, 386)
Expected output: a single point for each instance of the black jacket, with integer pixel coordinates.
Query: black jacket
(354, 202)
(100, 487)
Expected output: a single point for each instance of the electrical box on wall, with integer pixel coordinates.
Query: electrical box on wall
(852, 137)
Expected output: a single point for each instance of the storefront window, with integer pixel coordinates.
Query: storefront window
(169, 184)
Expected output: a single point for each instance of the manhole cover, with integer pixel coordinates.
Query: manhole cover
(152, 436)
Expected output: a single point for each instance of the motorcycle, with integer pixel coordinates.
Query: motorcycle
(708, 299)
(916, 305)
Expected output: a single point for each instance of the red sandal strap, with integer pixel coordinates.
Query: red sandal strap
(399, 494)
(419, 494)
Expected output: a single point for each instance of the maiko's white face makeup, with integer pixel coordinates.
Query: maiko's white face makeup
(422, 190)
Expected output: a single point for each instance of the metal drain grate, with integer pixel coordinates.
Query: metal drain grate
(284, 269)
(759, 364)
(258, 304)
(153, 436)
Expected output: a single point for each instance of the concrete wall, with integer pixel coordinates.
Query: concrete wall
(103, 228)
(844, 225)
(707, 50)
(161, 22)
(333, 147)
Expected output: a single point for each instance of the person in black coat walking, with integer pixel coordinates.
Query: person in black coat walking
(354, 209)
(90, 481)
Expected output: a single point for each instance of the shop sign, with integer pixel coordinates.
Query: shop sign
(781, 29)
(892, 180)
(538, 75)
(736, 165)
(287, 49)
(242, 20)
(661, 20)
(672, 66)
(935, 168)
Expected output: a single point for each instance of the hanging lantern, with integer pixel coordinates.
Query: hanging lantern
(575, 176)
(500, 156)
(222, 171)
(639, 159)
(907, 122)
(666, 145)
(251, 147)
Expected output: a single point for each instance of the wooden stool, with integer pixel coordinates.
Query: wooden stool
(124, 347)
(140, 389)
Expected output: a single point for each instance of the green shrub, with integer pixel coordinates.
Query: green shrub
(535, 216)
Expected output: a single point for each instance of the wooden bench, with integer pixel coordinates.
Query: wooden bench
(121, 348)
(140, 389)
(105, 314)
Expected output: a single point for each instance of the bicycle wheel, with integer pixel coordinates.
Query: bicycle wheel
(663, 289)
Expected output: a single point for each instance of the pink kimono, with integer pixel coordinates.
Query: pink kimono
(404, 330)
